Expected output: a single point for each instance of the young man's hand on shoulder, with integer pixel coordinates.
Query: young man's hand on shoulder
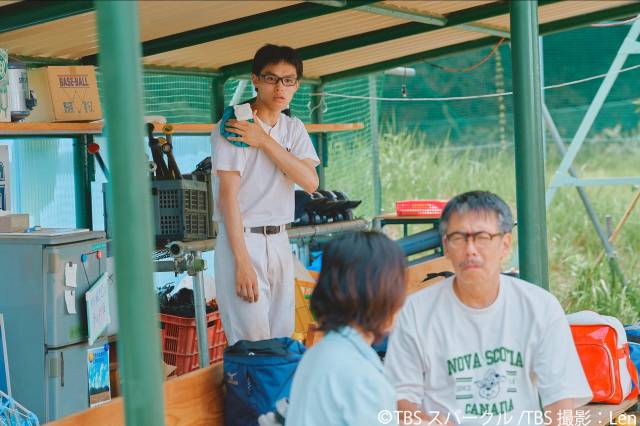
(250, 133)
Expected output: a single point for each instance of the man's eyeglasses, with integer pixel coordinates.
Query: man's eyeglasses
(480, 239)
(274, 79)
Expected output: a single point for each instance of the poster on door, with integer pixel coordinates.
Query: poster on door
(98, 373)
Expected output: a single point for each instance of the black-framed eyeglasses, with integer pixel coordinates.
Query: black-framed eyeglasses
(274, 79)
(480, 239)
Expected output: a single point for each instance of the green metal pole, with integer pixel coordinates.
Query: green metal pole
(217, 98)
(139, 336)
(375, 146)
(530, 186)
(320, 138)
(81, 183)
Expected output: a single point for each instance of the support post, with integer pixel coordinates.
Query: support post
(317, 105)
(199, 304)
(81, 182)
(217, 98)
(139, 336)
(532, 224)
(375, 146)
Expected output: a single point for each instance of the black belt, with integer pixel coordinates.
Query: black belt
(266, 230)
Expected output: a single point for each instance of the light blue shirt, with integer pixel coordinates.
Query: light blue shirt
(340, 381)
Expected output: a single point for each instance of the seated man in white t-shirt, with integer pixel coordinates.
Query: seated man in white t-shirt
(481, 347)
(253, 190)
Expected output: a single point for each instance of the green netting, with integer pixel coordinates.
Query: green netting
(182, 99)
(349, 162)
(179, 98)
(567, 57)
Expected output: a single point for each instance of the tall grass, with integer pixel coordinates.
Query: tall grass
(412, 168)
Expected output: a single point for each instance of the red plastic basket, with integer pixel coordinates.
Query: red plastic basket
(180, 341)
(427, 208)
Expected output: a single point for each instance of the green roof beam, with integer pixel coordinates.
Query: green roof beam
(413, 58)
(463, 17)
(40, 61)
(247, 24)
(343, 44)
(204, 72)
(403, 13)
(28, 13)
(484, 11)
(590, 18)
(430, 18)
(332, 3)
(494, 30)
(548, 28)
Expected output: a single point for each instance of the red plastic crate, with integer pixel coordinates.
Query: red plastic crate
(427, 208)
(180, 341)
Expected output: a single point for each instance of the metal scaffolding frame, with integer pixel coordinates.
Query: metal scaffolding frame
(563, 177)
(566, 175)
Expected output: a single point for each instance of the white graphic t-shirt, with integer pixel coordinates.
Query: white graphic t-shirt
(266, 195)
(485, 366)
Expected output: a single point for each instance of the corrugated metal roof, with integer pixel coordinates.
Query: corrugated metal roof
(438, 7)
(74, 37)
(304, 33)
(384, 51)
(563, 10)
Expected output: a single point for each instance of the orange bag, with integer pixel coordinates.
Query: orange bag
(604, 354)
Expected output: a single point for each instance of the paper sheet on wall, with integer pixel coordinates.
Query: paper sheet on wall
(71, 274)
(70, 301)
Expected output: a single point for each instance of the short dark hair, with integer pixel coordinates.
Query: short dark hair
(477, 202)
(272, 54)
(362, 283)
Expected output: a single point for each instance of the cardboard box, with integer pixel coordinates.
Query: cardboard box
(65, 94)
(5, 112)
(14, 222)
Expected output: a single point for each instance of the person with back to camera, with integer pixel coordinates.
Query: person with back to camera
(340, 380)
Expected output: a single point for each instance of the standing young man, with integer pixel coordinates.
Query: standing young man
(254, 200)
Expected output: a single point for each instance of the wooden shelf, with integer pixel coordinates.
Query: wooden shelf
(45, 129)
(336, 127)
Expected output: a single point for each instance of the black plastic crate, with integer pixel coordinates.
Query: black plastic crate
(183, 209)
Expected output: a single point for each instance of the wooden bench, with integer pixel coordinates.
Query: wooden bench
(600, 414)
(197, 398)
(417, 272)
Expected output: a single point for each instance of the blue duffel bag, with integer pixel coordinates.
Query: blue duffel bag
(633, 337)
(256, 375)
